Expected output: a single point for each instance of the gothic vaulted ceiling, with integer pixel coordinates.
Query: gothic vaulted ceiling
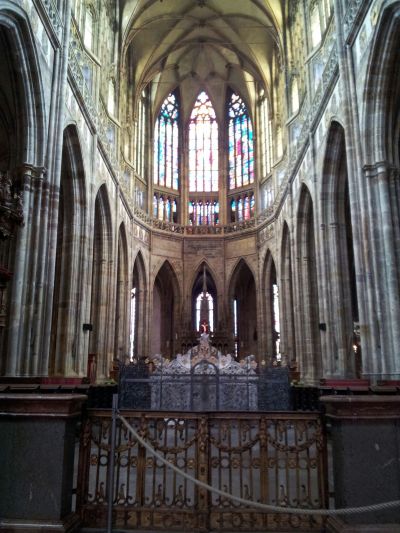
(201, 44)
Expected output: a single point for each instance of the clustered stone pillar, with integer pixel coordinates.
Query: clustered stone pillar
(37, 461)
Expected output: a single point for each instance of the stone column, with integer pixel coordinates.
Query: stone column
(365, 459)
(37, 449)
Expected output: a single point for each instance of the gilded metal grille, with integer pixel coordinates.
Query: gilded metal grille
(269, 458)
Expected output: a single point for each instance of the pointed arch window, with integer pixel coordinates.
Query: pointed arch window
(265, 138)
(203, 146)
(141, 135)
(295, 99)
(242, 207)
(89, 28)
(165, 207)
(166, 144)
(315, 26)
(203, 213)
(210, 308)
(241, 149)
(111, 97)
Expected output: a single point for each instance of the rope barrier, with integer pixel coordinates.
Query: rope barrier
(258, 505)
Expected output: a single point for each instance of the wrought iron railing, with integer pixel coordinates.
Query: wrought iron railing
(270, 458)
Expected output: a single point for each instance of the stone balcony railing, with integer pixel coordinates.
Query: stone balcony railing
(188, 230)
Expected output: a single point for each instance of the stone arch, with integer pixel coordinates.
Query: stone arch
(271, 329)
(308, 341)
(340, 293)
(381, 187)
(100, 313)
(288, 337)
(165, 311)
(381, 121)
(22, 141)
(196, 287)
(19, 51)
(121, 339)
(68, 346)
(242, 307)
(138, 310)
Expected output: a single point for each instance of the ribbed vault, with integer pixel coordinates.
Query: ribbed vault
(200, 43)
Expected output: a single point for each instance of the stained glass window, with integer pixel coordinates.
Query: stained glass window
(164, 208)
(203, 146)
(166, 141)
(141, 136)
(203, 213)
(241, 150)
(210, 300)
(155, 205)
(242, 207)
(265, 138)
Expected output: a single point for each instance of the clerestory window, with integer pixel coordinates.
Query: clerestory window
(203, 146)
(166, 144)
(241, 149)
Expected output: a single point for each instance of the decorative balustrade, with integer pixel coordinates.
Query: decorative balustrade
(173, 227)
(79, 60)
(269, 458)
(50, 8)
(353, 9)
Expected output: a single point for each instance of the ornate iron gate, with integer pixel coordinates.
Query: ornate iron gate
(265, 457)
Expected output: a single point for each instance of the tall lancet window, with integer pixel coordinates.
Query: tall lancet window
(241, 149)
(205, 301)
(203, 146)
(203, 205)
(205, 308)
(166, 144)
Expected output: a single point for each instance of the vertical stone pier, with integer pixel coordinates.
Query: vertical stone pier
(37, 443)
(366, 460)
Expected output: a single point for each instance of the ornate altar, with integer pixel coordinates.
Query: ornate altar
(204, 379)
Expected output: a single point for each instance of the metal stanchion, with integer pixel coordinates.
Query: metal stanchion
(110, 481)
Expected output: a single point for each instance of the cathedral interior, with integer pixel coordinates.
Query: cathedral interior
(173, 168)
(145, 143)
